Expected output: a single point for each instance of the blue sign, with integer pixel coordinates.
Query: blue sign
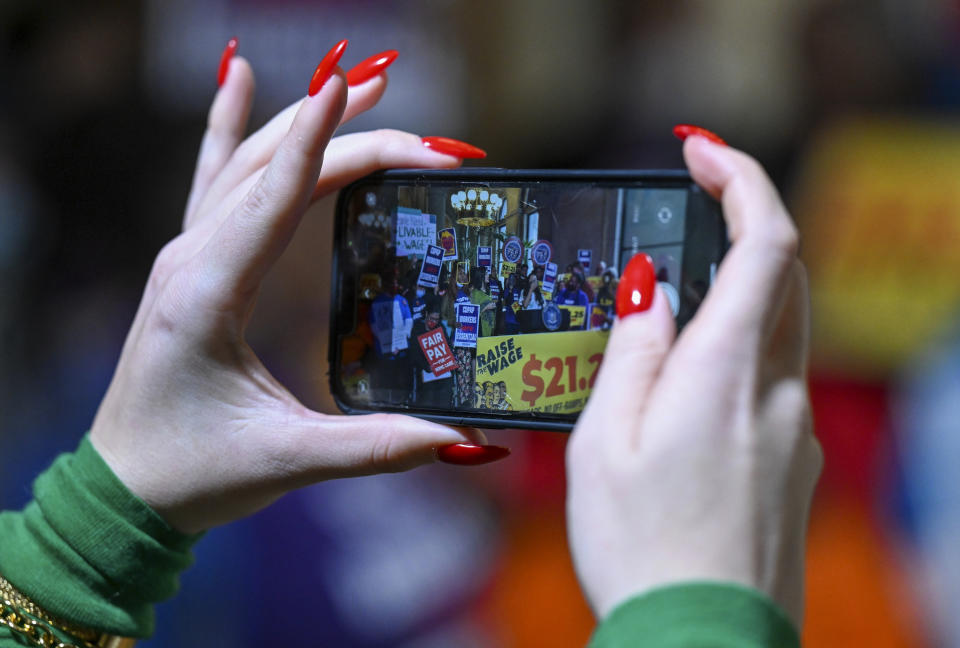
(585, 257)
(512, 250)
(541, 252)
(552, 317)
(484, 256)
(468, 323)
(430, 270)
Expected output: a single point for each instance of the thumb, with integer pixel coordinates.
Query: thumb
(323, 447)
(638, 346)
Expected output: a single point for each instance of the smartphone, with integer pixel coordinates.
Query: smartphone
(484, 297)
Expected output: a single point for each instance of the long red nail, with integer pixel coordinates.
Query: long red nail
(371, 67)
(683, 131)
(228, 53)
(325, 68)
(453, 147)
(468, 454)
(639, 280)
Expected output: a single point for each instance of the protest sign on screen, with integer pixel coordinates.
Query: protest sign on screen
(430, 271)
(447, 238)
(415, 232)
(468, 320)
(484, 256)
(437, 350)
(585, 257)
(549, 280)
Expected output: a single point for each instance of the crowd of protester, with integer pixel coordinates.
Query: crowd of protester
(399, 369)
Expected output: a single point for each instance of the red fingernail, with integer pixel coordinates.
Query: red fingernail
(371, 67)
(683, 131)
(639, 280)
(453, 147)
(325, 68)
(228, 53)
(468, 454)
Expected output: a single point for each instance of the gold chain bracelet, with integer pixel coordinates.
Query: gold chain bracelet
(28, 620)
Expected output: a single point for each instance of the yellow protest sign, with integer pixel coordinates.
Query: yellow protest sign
(577, 315)
(507, 269)
(463, 273)
(540, 372)
(879, 212)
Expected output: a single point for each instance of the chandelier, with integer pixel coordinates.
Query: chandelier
(373, 217)
(476, 208)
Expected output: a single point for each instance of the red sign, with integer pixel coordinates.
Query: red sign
(437, 351)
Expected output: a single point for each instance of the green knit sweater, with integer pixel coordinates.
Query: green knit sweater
(90, 552)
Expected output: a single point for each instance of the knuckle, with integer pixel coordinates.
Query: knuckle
(217, 129)
(257, 202)
(778, 243)
(777, 228)
(750, 176)
(792, 397)
(163, 266)
(387, 134)
(390, 144)
(243, 155)
(170, 309)
(789, 404)
(165, 288)
(784, 237)
(383, 457)
(392, 135)
(640, 348)
(817, 457)
(792, 415)
(753, 170)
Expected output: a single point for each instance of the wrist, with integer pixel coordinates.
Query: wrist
(698, 613)
(89, 551)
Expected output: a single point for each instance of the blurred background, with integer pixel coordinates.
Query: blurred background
(853, 106)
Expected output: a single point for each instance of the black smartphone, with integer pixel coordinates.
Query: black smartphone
(484, 297)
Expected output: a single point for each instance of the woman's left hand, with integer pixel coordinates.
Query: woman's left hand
(193, 423)
(695, 459)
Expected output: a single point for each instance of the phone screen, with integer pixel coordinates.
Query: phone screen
(488, 297)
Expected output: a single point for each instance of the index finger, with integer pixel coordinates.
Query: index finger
(743, 303)
(256, 152)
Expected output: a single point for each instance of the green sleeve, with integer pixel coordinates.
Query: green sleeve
(701, 615)
(89, 551)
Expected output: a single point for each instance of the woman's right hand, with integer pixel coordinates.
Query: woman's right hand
(193, 423)
(695, 458)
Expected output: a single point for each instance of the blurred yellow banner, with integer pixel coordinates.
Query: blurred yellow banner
(878, 205)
